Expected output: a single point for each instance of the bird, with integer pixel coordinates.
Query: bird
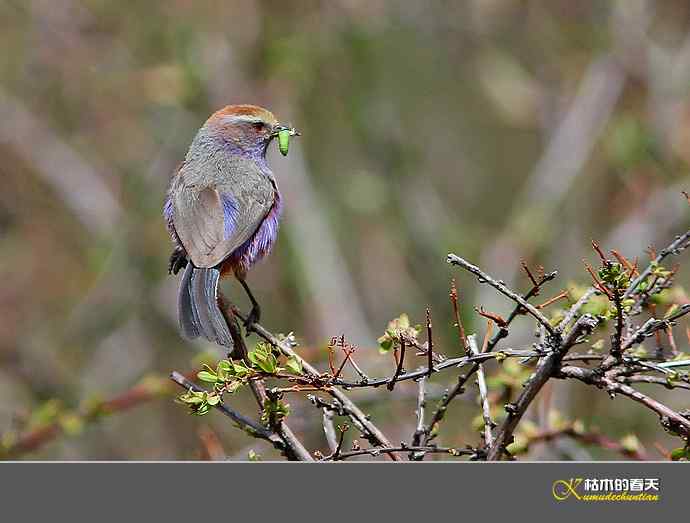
(222, 210)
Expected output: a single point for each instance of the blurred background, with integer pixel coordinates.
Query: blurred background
(500, 130)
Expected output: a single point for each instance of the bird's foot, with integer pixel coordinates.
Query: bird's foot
(252, 319)
(178, 261)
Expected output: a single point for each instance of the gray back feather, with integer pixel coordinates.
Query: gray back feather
(208, 172)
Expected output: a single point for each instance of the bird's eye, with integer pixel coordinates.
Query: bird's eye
(259, 126)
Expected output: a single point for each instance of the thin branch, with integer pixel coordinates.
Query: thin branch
(591, 377)
(420, 429)
(500, 287)
(560, 296)
(329, 430)
(587, 438)
(399, 368)
(429, 344)
(677, 245)
(655, 381)
(347, 404)
(456, 315)
(617, 337)
(293, 446)
(575, 309)
(534, 291)
(339, 445)
(445, 364)
(653, 325)
(248, 425)
(484, 397)
(392, 450)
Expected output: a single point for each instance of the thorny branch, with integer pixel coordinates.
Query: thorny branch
(618, 281)
(617, 372)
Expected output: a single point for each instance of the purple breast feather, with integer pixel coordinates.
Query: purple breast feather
(260, 243)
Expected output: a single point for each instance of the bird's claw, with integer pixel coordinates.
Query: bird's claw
(178, 261)
(252, 320)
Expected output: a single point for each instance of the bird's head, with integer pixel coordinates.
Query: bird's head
(249, 128)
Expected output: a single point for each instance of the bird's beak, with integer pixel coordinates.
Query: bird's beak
(281, 127)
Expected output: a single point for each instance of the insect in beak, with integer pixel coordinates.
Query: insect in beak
(283, 132)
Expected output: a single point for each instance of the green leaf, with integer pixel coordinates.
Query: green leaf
(240, 369)
(397, 329)
(224, 370)
(268, 364)
(385, 344)
(225, 365)
(191, 397)
(254, 357)
(207, 376)
(294, 365)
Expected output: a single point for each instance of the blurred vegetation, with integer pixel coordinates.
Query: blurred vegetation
(424, 128)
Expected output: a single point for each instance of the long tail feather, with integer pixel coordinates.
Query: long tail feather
(198, 310)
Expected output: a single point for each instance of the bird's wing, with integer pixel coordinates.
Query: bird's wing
(215, 221)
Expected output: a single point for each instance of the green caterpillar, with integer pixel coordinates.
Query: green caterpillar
(283, 141)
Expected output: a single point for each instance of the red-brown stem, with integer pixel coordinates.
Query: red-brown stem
(496, 318)
(563, 294)
(598, 250)
(456, 316)
(529, 274)
(429, 344)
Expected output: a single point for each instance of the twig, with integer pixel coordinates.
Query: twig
(294, 447)
(534, 291)
(559, 296)
(347, 404)
(656, 381)
(485, 278)
(529, 273)
(575, 309)
(420, 430)
(456, 315)
(677, 245)
(445, 364)
(399, 368)
(392, 450)
(339, 445)
(484, 396)
(329, 430)
(593, 378)
(653, 325)
(429, 344)
(245, 423)
(617, 337)
(588, 438)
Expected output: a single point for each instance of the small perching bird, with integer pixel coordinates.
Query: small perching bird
(222, 211)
